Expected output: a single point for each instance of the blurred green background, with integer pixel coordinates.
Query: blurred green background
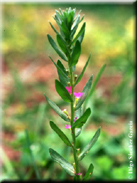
(28, 73)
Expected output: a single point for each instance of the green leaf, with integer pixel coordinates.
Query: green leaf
(79, 33)
(80, 39)
(95, 83)
(61, 11)
(59, 68)
(73, 68)
(57, 109)
(89, 145)
(85, 92)
(57, 20)
(76, 21)
(82, 18)
(79, 113)
(53, 44)
(59, 24)
(62, 44)
(82, 120)
(59, 16)
(75, 26)
(54, 28)
(60, 134)
(62, 91)
(65, 30)
(97, 79)
(63, 80)
(59, 63)
(70, 17)
(81, 75)
(75, 54)
(63, 163)
(61, 72)
(89, 172)
(77, 131)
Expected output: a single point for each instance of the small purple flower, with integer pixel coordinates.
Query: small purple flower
(75, 119)
(69, 89)
(67, 126)
(78, 95)
(78, 173)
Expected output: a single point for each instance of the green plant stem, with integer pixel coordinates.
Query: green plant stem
(73, 130)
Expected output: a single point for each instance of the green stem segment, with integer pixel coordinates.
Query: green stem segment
(73, 130)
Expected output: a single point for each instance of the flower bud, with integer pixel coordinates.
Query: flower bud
(65, 111)
(68, 83)
(75, 77)
(78, 151)
(74, 166)
(67, 71)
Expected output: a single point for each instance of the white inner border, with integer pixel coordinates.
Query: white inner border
(69, 1)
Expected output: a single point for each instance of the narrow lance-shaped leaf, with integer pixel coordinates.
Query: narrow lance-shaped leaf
(59, 16)
(75, 26)
(59, 24)
(65, 30)
(62, 44)
(59, 68)
(60, 134)
(95, 83)
(79, 113)
(57, 19)
(85, 92)
(81, 75)
(70, 18)
(57, 109)
(62, 91)
(75, 54)
(79, 33)
(82, 18)
(61, 11)
(62, 79)
(76, 21)
(77, 131)
(89, 145)
(89, 172)
(53, 44)
(65, 18)
(82, 120)
(53, 28)
(63, 163)
(80, 39)
(97, 79)
(59, 63)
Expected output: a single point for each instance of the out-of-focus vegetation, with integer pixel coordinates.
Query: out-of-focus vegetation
(28, 73)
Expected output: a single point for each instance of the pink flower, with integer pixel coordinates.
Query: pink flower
(75, 119)
(78, 95)
(69, 89)
(78, 173)
(67, 126)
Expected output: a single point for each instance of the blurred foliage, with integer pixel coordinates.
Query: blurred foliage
(110, 38)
